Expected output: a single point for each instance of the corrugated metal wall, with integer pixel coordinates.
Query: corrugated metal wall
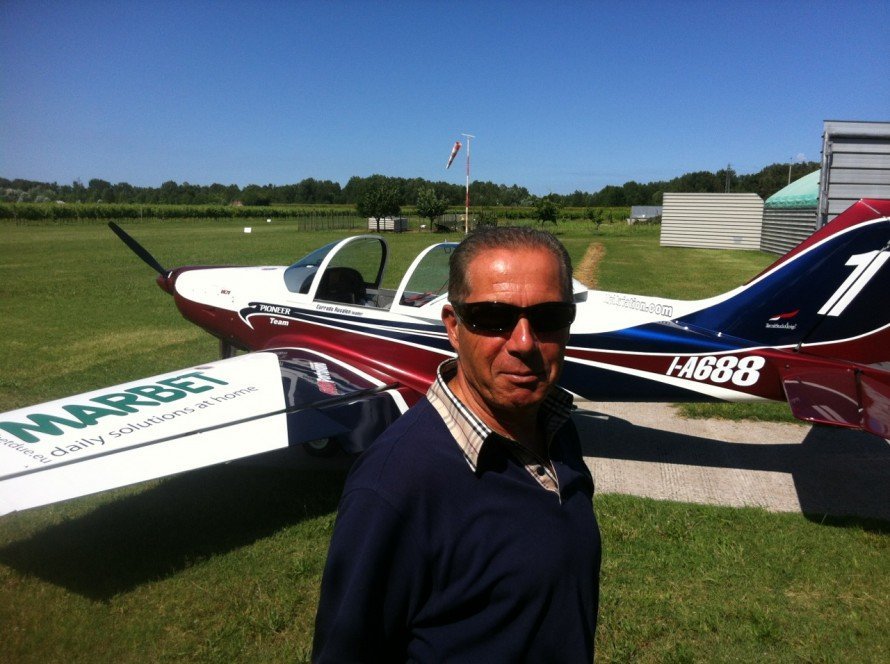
(855, 164)
(716, 221)
(785, 228)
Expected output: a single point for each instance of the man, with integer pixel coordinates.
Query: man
(466, 532)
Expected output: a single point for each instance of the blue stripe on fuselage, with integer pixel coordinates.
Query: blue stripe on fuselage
(429, 335)
(667, 337)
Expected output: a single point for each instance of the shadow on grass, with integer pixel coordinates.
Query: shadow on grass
(840, 476)
(160, 531)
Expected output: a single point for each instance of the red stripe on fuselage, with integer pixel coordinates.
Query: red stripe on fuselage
(384, 358)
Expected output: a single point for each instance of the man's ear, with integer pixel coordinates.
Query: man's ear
(449, 318)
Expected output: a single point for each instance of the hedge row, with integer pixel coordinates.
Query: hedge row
(605, 214)
(71, 211)
(76, 211)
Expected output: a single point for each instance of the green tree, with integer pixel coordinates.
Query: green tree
(379, 200)
(255, 195)
(219, 194)
(100, 191)
(546, 209)
(429, 206)
(594, 215)
(486, 217)
(610, 196)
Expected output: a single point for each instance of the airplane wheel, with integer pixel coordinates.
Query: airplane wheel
(323, 447)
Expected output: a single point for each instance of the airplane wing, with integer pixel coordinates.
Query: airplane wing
(179, 421)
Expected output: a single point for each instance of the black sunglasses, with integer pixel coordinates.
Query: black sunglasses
(502, 317)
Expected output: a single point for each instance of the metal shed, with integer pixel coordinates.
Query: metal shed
(714, 221)
(643, 213)
(397, 224)
(855, 164)
(789, 215)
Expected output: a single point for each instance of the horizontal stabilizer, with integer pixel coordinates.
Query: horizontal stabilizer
(840, 394)
(875, 388)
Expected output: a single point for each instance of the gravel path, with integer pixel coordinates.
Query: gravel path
(645, 449)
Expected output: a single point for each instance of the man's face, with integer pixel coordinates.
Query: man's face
(508, 374)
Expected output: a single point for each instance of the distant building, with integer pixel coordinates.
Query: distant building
(644, 213)
(855, 164)
(397, 224)
(713, 221)
(789, 215)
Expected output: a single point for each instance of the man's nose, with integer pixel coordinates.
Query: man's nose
(522, 339)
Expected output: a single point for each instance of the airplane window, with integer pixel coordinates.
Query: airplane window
(430, 277)
(316, 257)
(365, 256)
(298, 277)
(353, 270)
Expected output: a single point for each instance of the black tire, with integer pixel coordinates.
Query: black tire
(323, 447)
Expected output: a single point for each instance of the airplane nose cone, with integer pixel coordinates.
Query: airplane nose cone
(165, 282)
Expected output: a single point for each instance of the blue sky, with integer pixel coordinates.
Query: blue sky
(560, 95)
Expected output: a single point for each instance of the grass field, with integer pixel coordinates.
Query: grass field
(224, 563)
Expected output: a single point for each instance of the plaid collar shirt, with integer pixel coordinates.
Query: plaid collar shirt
(471, 434)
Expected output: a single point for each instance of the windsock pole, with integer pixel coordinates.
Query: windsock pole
(467, 201)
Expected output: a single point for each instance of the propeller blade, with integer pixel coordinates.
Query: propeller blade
(137, 248)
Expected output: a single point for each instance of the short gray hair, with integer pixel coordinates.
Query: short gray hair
(511, 237)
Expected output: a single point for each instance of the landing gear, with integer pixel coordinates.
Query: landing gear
(323, 447)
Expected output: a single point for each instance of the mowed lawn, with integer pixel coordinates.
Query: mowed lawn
(224, 563)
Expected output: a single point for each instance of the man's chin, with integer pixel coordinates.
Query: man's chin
(525, 394)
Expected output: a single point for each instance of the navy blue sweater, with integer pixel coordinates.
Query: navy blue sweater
(430, 561)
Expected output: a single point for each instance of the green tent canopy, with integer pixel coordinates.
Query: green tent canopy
(802, 193)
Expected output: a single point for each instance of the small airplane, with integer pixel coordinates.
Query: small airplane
(335, 358)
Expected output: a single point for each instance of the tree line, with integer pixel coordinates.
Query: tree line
(764, 183)
(310, 191)
(306, 192)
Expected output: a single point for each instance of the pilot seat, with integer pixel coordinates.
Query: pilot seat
(342, 284)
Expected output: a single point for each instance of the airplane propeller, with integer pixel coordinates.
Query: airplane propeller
(138, 249)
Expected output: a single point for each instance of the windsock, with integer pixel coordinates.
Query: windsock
(454, 151)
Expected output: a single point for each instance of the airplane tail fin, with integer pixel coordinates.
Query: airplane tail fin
(829, 296)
